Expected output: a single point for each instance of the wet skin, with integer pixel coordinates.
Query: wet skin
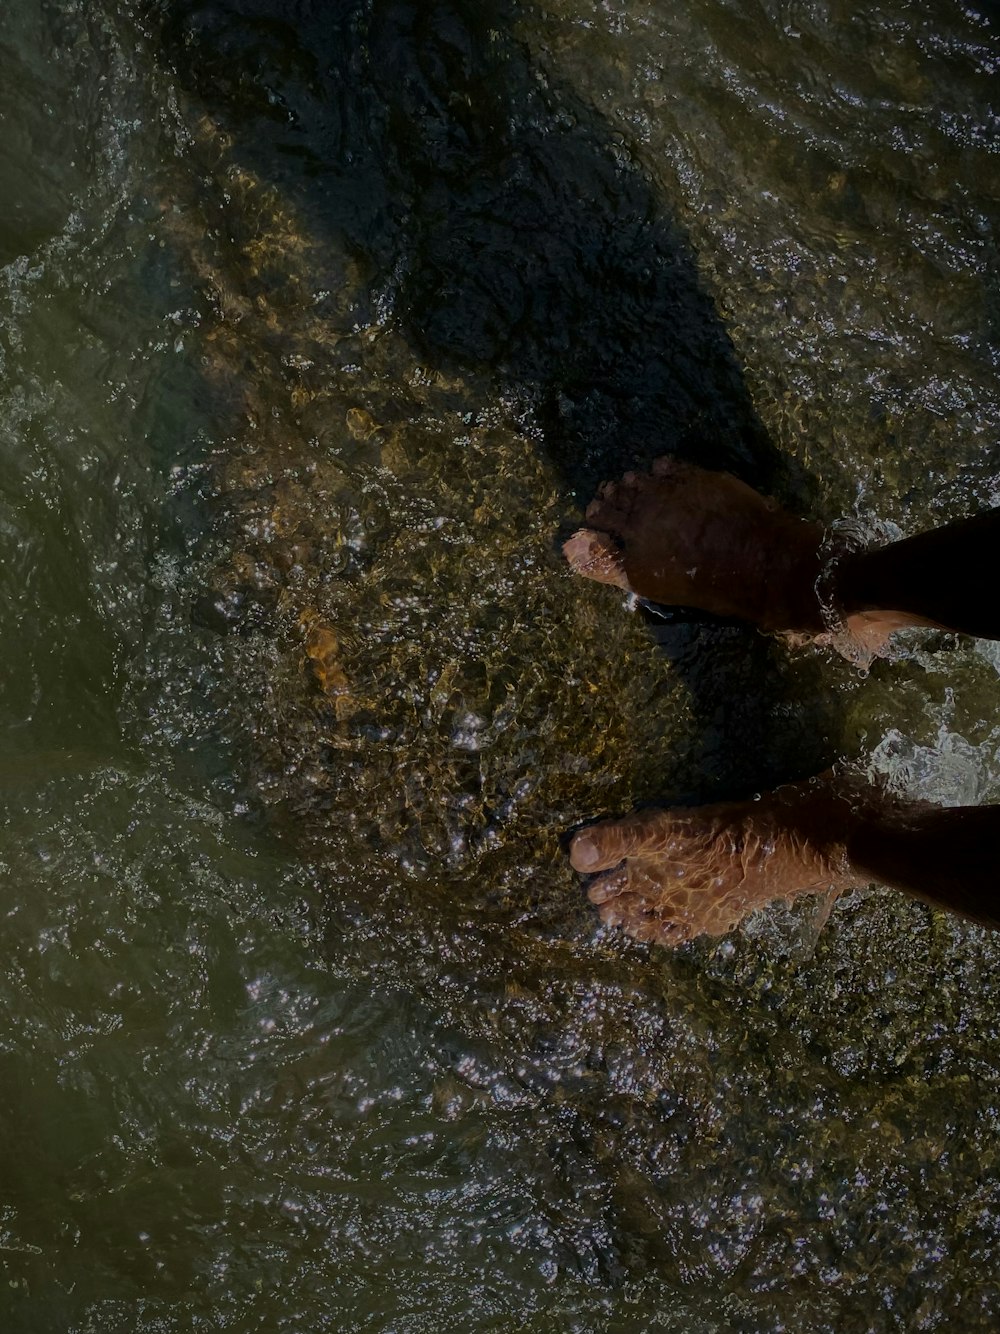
(684, 536)
(670, 875)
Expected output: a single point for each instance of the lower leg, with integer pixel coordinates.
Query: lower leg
(946, 857)
(669, 875)
(943, 577)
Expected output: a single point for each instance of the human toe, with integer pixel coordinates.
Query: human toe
(608, 886)
(603, 845)
(595, 555)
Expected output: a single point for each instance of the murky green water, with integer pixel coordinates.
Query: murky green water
(316, 324)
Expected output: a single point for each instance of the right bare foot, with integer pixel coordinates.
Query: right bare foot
(687, 537)
(668, 875)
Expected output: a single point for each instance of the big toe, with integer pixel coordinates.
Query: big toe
(586, 852)
(595, 555)
(600, 846)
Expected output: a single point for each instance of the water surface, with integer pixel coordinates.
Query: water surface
(316, 326)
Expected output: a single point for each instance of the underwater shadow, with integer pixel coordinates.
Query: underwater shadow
(537, 246)
(504, 226)
(500, 224)
(503, 220)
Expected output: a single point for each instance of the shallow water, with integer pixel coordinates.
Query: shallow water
(317, 322)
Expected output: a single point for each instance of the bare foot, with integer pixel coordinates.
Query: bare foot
(670, 875)
(865, 635)
(687, 537)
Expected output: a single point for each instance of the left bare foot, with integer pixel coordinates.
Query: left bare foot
(670, 875)
(687, 537)
(690, 538)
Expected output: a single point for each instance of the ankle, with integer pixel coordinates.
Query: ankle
(792, 598)
(944, 856)
(821, 812)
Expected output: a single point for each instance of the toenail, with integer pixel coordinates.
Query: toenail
(584, 853)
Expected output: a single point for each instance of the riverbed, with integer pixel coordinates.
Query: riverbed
(318, 326)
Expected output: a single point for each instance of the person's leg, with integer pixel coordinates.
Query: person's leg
(669, 875)
(687, 537)
(950, 857)
(943, 577)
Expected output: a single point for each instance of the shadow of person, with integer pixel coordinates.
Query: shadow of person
(536, 246)
(500, 224)
(508, 228)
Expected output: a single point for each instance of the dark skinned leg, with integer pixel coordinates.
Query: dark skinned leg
(687, 537)
(945, 577)
(949, 858)
(703, 539)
